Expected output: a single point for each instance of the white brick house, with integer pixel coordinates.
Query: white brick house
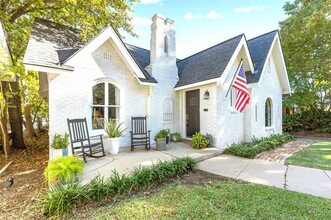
(110, 79)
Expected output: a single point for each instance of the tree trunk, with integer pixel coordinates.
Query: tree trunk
(28, 121)
(3, 125)
(4, 133)
(15, 117)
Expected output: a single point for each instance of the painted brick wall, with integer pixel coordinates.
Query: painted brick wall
(70, 95)
(268, 87)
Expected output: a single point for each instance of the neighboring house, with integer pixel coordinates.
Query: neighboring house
(107, 78)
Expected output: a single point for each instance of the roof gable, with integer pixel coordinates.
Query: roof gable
(55, 46)
(259, 48)
(207, 64)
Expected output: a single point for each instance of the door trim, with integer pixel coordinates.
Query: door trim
(197, 113)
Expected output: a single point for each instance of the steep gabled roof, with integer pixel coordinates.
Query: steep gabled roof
(259, 48)
(207, 64)
(52, 44)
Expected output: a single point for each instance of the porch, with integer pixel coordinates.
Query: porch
(126, 160)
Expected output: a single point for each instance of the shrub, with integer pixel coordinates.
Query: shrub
(251, 149)
(176, 135)
(63, 168)
(307, 121)
(61, 198)
(162, 134)
(60, 141)
(199, 141)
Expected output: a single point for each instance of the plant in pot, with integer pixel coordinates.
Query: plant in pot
(176, 137)
(160, 139)
(199, 141)
(63, 170)
(61, 142)
(114, 131)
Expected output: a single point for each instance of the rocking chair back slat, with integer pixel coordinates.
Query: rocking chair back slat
(80, 139)
(139, 133)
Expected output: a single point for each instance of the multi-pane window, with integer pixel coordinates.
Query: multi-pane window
(268, 112)
(106, 104)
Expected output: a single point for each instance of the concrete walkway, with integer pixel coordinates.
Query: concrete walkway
(127, 160)
(300, 179)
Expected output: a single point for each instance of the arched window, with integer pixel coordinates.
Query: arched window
(106, 104)
(167, 109)
(233, 97)
(268, 112)
(166, 44)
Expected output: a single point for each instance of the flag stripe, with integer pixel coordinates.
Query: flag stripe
(240, 84)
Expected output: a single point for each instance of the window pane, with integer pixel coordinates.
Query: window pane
(98, 116)
(113, 95)
(113, 113)
(99, 94)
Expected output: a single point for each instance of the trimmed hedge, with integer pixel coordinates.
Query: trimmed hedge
(60, 198)
(251, 149)
(319, 121)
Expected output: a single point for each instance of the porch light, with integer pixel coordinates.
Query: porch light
(206, 95)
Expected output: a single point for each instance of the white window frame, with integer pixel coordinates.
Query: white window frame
(106, 105)
(268, 113)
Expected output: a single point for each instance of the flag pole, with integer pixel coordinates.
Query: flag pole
(234, 77)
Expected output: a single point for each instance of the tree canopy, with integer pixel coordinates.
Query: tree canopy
(306, 41)
(17, 16)
(87, 16)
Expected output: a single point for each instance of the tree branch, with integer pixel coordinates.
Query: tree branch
(25, 10)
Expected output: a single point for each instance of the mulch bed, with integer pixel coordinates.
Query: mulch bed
(27, 170)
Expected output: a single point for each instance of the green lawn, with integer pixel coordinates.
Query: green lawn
(221, 200)
(316, 156)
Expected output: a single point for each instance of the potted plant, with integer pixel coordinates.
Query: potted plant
(114, 131)
(61, 142)
(63, 169)
(176, 137)
(160, 139)
(199, 141)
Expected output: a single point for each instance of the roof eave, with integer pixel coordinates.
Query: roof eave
(215, 80)
(48, 69)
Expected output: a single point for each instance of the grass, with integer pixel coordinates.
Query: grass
(256, 146)
(221, 200)
(317, 155)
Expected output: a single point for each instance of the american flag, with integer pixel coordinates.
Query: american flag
(240, 84)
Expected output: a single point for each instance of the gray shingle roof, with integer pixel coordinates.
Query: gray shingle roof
(207, 64)
(51, 43)
(259, 48)
(141, 56)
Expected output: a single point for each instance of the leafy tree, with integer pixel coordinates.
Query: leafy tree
(18, 17)
(306, 40)
(5, 74)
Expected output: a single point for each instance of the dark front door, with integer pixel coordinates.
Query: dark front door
(192, 112)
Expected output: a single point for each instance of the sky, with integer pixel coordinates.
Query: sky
(201, 24)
